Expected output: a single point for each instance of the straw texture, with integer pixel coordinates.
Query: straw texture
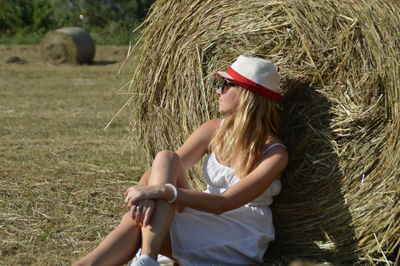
(340, 68)
(67, 46)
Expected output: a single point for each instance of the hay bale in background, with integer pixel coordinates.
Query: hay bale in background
(340, 66)
(67, 45)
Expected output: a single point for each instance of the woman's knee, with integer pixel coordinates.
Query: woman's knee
(168, 160)
(166, 155)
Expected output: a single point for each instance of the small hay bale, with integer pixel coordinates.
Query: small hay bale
(71, 45)
(340, 68)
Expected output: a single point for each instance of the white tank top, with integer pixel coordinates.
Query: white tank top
(219, 178)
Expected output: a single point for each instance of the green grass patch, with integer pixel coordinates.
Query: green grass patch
(21, 38)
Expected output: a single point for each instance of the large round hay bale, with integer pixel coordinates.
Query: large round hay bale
(71, 45)
(340, 66)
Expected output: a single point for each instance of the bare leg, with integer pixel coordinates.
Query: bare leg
(122, 244)
(118, 247)
(166, 248)
(166, 168)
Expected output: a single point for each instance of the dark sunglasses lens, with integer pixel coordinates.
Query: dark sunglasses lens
(224, 89)
(223, 84)
(219, 83)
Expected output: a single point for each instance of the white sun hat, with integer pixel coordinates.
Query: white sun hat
(255, 74)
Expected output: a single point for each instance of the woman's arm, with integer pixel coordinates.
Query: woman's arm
(194, 148)
(244, 191)
(197, 144)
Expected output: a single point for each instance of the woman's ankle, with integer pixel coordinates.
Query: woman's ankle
(153, 255)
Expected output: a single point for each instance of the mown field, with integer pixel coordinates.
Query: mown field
(61, 175)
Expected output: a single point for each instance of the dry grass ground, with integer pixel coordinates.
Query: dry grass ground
(61, 175)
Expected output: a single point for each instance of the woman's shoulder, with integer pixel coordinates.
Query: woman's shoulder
(207, 129)
(275, 147)
(273, 141)
(212, 124)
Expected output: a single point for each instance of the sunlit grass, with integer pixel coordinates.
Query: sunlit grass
(61, 175)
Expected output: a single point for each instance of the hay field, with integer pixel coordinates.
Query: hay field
(61, 174)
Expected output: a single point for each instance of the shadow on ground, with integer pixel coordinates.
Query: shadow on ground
(103, 62)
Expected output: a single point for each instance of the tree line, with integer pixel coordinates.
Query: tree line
(113, 19)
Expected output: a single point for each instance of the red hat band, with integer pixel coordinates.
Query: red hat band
(252, 86)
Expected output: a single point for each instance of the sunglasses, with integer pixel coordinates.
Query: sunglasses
(225, 86)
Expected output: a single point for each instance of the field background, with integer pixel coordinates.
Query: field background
(61, 175)
(109, 22)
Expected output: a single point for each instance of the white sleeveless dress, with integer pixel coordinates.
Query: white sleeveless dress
(236, 237)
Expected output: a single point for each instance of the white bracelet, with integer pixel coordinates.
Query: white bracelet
(174, 190)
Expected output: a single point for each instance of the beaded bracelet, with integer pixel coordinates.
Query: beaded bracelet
(174, 190)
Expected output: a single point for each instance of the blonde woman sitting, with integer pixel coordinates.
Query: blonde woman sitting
(230, 223)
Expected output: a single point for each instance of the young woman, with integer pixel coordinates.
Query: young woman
(229, 223)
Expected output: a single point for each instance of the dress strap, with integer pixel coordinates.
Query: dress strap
(274, 145)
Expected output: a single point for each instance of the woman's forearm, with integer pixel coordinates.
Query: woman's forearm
(208, 202)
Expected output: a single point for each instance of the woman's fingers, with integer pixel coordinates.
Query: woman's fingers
(147, 216)
(137, 215)
(133, 195)
(150, 205)
(141, 214)
(142, 211)
(130, 201)
(134, 214)
(140, 208)
(137, 212)
(140, 192)
(127, 196)
(126, 191)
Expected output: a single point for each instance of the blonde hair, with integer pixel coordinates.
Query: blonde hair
(240, 140)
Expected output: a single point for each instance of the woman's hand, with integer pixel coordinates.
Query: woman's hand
(142, 211)
(139, 199)
(139, 192)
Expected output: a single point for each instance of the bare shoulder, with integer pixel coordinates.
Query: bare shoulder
(210, 126)
(213, 122)
(273, 139)
(206, 131)
(274, 145)
(275, 156)
(197, 143)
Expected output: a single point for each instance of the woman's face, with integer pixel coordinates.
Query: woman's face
(229, 96)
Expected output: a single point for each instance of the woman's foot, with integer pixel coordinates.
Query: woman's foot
(144, 260)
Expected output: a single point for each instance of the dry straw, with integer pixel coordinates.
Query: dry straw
(67, 45)
(340, 66)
